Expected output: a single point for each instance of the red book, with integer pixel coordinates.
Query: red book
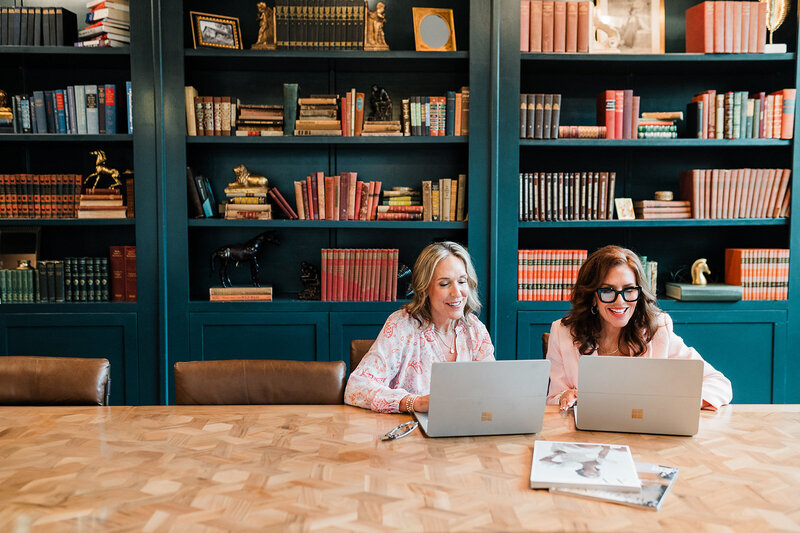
(130, 273)
(116, 264)
(728, 25)
(547, 26)
(583, 27)
(344, 106)
(719, 27)
(787, 113)
(323, 265)
(737, 27)
(761, 24)
(572, 27)
(635, 117)
(619, 108)
(559, 26)
(276, 195)
(627, 112)
(376, 199)
(605, 112)
(700, 28)
(752, 46)
(314, 190)
(304, 195)
(344, 186)
(535, 30)
(321, 198)
(524, 25)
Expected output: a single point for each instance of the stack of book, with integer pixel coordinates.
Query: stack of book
(247, 203)
(618, 111)
(555, 26)
(662, 209)
(400, 203)
(259, 120)
(39, 195)
(737, 193)
(763, 273)
(362, 275)
(581, 132)
(109, 24)
(240, 294)
(122, 262)
(553, 196)
(340, 197)
(102, 203)
(351, 108)
(737, 115)
(382, 128)
(37, 26)
(318, 116)
(320, 25)
(436, 116)
(85, 279)
(726, 28)
(660, 125)
(209, 115)
(539, 116)
(445, 199)
(547, 275)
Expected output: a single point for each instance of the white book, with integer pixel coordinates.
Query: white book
(80, 109)
(583, 465)
(92, 116)
(656, 482)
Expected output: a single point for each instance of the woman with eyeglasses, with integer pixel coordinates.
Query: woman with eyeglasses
(614, 313)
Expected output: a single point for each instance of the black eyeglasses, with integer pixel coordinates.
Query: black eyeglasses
(608, 295)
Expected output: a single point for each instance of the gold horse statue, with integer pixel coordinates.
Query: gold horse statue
(101, 170)
(699, 268)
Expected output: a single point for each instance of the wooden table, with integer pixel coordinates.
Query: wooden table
(308, 468)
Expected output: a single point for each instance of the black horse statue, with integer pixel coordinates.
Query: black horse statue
(240, 253)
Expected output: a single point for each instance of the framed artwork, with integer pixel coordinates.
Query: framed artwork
(629, 27)
(624, 208)
(434, 30)
(215, 31)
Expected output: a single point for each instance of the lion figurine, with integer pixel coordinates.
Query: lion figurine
(244, 178)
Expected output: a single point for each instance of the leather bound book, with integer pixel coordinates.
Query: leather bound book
(538, 115)
(556, 116)
(737, 27)
(524, 25)
(351, 195)
(572, 27)
(700, 28)
(627, 111)
(606, 101)
(602, 196)
(782, 191)
(547, 116)
(547, 26)
(745, 28)
(635, 117)
(584, 15)
(117, 266)
(559, 26)
(536, 26)
(523, 116)
(130, 274)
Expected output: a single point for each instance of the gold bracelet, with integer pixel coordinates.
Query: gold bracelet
(410, 399)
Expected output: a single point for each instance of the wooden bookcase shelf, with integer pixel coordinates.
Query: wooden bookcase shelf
(684, 223)
(292, 140)
(329, 224)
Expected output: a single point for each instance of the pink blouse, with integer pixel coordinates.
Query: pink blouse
(563, 355)
(399, 361)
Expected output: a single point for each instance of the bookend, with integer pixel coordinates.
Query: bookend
(309, 275)
(240, 253)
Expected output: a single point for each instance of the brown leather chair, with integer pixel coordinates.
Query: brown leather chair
(259, 382)
(358, 349)
(545, 341)
(31, 380)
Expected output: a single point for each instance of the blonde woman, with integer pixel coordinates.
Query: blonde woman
(438, 325)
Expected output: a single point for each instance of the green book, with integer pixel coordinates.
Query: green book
(713, 292)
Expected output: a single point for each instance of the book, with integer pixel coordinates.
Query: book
(656, 482)
(583, 465)
(712, 292)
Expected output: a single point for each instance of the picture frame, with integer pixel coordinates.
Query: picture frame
(628, 27)
(624, 208)
(215, 31)
(434, 30)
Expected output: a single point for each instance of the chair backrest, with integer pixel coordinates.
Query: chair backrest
(358, 349)
(32, 380)
(259, 382)
(545, 341)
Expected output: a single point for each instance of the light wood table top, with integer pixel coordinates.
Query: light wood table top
(310, 468)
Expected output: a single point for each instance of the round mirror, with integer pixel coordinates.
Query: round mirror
(434, 31)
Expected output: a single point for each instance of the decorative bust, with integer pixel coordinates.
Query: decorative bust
(374, 39)
(266, 28)
(381, 104)
(244, 178)
(309, 275)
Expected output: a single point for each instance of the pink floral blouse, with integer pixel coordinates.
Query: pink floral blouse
(399, 361)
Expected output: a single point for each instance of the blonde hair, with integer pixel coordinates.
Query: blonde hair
(429, 258)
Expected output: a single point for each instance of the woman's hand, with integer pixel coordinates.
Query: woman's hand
(567, 399)
(707, 406)
(421, 403)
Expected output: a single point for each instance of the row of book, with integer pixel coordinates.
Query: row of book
(39, 195)
(210, 115)
(726, 27)
(73, 279)
(37, 26)
(102, 203)
(320, 115)
(618, 111)
(662, 209)
(763, 273)
(445, 200)
(76, 110)
(247, 203)
(547, 275)
(539, 116)
(438, 116)
(254, 120)
(108, 24)
(359, 274)
(551, 196)
(122, 264)
(737, 193)
(555, 26)
(340, 197)
(320, 24)
(737, 115)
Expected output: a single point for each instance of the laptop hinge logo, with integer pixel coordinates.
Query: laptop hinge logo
(486, 416)
(637, 413)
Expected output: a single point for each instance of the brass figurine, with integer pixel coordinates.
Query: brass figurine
(374, 40)
(699, 268)
(776, 14)
(266, 28)
(246, 179)
(101, 170)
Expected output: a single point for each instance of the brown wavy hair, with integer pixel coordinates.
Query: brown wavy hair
(586, 326)
(420, 306)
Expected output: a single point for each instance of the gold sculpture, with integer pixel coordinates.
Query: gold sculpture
(374, 40)
(776, 14)
(699, 268)
(101, 170)
(245, 179)
(5, 109)
(266, 28)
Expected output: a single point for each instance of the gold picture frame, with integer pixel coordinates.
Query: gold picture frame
(629, 27)
(215, 31)
(434, 30)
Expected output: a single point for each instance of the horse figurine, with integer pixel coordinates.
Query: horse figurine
(699, 268)
(240, 253)
(100, 170)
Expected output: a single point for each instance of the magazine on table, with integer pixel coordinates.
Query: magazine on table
(583, 465)
(656, 482)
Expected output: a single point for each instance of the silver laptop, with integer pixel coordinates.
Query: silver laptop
(639, 395)
(486, 398)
